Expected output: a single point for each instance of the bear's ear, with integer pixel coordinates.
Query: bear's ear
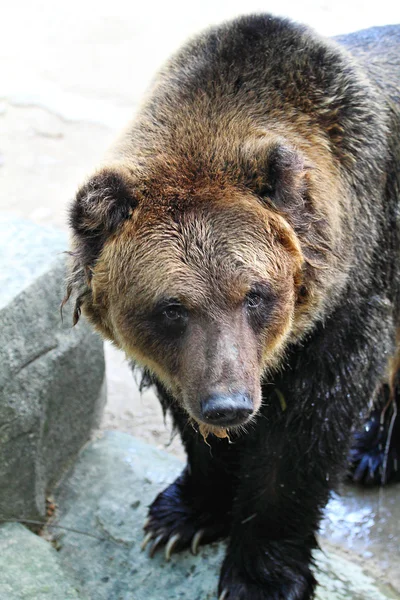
(100, 206)
(286, 176)
(278, 175)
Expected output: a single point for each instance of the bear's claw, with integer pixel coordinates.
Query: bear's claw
(194, 546)
(156, 544)
(171, 544)
(147, 538)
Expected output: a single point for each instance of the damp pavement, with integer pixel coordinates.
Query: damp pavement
(117, 477)
(72, 76)
(93, 550)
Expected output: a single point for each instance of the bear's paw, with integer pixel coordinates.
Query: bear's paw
(375, 456)
(174, 523)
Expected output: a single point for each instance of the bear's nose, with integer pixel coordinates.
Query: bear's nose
(226, 410)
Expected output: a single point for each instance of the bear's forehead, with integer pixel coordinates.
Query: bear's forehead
(205, 224)
(195, 255)
(219, 239)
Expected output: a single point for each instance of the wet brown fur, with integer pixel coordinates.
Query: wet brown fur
(206, 163)
(170, 185)
(161, 268)
(241, 242)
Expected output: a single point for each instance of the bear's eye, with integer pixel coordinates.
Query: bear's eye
(169, 319)
(259, 304)
(253, 300)
(174, 312)
(172, 316)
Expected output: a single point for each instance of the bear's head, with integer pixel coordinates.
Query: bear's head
(199, 279)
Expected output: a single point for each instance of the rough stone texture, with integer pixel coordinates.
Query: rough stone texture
(52, 386)
(29, 568)
(107, 495)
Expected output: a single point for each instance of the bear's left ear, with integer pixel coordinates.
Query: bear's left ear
(103, 203)
(286, 176)
(278, 173)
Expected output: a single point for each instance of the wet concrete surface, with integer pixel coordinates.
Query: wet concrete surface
(365, 523)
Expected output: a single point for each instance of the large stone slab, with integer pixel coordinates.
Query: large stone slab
(29, 568)
(107, 495)
(52, 387)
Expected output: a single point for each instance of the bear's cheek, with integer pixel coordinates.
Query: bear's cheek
(273, 340)
(142, 342)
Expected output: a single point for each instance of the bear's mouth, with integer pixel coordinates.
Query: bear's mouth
(223, 429)
(227, 432)
(219, 432)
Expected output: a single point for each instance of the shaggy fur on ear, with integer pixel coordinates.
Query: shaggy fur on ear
(275, 172)
(101, 205)
(286, 176)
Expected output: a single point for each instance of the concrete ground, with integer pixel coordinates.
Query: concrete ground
(71, 76)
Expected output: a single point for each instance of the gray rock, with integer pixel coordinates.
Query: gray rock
(29, 568)
(52, 386)
(107, 495)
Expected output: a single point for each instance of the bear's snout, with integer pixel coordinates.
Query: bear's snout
(226, 410)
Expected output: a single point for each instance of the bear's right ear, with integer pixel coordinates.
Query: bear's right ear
(103, 203)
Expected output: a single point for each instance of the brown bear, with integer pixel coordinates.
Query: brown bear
(242, 244)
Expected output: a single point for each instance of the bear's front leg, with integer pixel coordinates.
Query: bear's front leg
(276, 515)
(197, 508)
(297, 454)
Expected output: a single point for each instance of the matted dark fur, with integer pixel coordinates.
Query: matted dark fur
(242, 245)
